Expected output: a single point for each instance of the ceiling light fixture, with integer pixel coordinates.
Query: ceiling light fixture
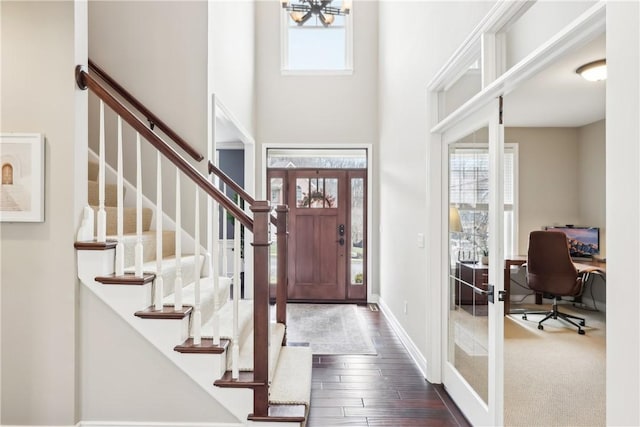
(303, 10)
(594, 71)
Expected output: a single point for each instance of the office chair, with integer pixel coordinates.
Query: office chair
(550, 271)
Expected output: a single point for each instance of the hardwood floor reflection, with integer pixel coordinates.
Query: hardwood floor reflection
(382, 390)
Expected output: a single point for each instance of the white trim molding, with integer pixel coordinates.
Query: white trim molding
(406, 340)
(153, 424)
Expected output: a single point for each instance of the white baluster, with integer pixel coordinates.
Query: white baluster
(120, 204)
(214, 263)
(225, 260)
(236, 298)
(101, 235)
(159, 281)
(138, 250)
(197, 316)
(177, 287)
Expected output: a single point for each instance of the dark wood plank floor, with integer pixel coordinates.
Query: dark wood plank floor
(382, 390)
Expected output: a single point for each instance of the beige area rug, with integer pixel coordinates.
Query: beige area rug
(553, 377)
(328, 328)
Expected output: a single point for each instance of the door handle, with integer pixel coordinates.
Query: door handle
(341, 241)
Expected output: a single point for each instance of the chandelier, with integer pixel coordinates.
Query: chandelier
(303, 10)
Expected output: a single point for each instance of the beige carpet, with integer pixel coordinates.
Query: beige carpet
(553, 377)
(328, 328)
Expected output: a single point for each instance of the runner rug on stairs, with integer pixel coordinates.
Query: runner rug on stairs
(328, 328)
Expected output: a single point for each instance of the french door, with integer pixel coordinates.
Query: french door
(327, 232)
(473, 156)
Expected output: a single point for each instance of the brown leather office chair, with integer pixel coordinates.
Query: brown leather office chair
(550, 271)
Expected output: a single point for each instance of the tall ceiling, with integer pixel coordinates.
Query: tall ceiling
(555, 97)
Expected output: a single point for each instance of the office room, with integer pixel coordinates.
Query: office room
(557, 121)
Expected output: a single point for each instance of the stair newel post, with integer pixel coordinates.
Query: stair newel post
(261, 220)
(159, 281)
(197, 315)
(101, 235)
(225, 260)
(214, 264)
(282, 266)
(139, 248)
(235, 349)
(177, 290)
(120, 208)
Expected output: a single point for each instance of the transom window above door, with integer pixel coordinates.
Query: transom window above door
(320, 158)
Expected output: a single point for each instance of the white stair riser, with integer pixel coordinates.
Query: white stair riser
(163, 336)
(164, 333)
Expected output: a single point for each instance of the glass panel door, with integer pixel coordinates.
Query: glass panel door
(472, 158)
(468, 269)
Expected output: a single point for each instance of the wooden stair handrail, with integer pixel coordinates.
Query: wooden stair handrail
(231, 183)
(152, 118)
(85, 80)
(259, 226)
(213, 169)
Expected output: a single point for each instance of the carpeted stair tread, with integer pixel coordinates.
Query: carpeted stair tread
(207, 295)
(128, 219)
(149, 241)
(169, 271)
(93, 168)
(246, 350)
(291, 383)
(110, 194)
(245, 321)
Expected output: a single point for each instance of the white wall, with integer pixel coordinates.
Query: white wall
(527, 33)
(592, 178)
(339, 109)
(623, 213)
(232, 50)
(123, 378)
(548, 171)
(158, 51)
(415, 40)
(41, 44)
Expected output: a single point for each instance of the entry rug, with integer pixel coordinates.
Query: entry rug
(328, 328)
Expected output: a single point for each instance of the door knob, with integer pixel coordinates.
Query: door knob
(341, 241)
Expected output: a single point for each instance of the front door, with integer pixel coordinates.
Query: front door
(317, 226)
(327, 229)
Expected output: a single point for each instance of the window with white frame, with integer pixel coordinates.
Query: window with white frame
(469, 192)
(316, 48)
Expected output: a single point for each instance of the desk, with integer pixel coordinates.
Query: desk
(584, 266)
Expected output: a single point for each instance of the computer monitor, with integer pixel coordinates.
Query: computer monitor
(584, 242)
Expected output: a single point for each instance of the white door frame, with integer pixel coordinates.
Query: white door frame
(584, 28)
(474, 408)
(247, 143)
(372, 241)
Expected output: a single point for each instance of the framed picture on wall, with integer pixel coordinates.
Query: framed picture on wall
(22, 177)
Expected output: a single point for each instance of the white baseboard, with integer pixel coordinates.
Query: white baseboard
(152, 424)
(408, 343)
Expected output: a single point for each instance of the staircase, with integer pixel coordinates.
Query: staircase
(167, 286)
